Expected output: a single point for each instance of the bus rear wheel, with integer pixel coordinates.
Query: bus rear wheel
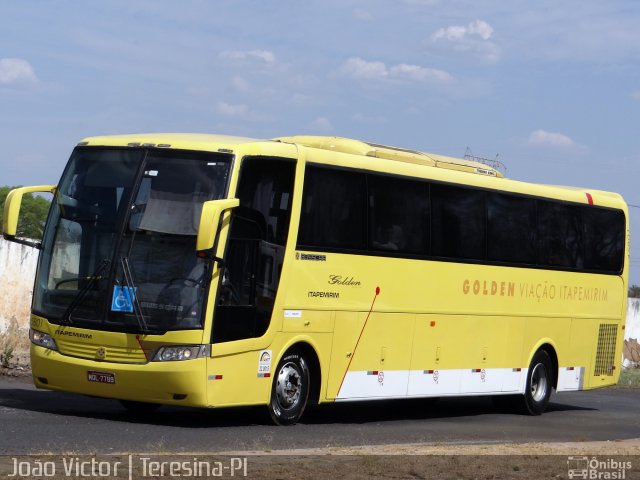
(539, 384)
(290, 390)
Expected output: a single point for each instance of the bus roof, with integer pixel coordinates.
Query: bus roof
(357, 147)
(211, 142)
(337, 144)
(197, 141)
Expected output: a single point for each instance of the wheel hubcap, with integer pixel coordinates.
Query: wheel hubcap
(288, 387)
(539, 382)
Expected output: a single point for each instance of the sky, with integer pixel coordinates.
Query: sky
(550, 88)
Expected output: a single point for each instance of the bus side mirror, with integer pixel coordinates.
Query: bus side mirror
(209, 219)
(12, 211)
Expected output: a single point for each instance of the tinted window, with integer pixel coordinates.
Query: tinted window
(398, 215)
(389, 215)
(458, 222)
(604, 239)
(265, 193)
(255, 251)
(560, 235)
(333, 209)
(511, 228)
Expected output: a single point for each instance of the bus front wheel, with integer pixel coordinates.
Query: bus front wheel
(290, 390)
(539, 384)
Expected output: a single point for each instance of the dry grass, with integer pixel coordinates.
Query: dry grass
(630, 378)
(14, 350)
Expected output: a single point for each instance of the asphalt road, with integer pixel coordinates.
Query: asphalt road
(38, 421)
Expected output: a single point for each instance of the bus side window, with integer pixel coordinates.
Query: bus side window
(398, 215)
(458, 222)
(560, 231)
(255, 251)
(511, 229)
(604, 239)
(333, 210)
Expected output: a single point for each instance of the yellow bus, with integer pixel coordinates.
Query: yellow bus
(217, 271)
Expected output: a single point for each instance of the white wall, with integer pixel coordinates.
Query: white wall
(632, 329)
(633, 319)
(17, 272)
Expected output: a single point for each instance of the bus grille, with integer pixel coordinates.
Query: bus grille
(116, 354)
(605, 354)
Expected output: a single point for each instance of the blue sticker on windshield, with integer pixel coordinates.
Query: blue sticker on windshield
(122, 300)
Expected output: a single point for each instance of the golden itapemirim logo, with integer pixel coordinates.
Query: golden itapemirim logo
(348, 281)
(488, 287)
(101, 353)
(541, 291)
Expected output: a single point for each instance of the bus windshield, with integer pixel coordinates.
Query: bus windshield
(118, 251)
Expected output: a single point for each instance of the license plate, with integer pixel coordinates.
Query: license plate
(101, 377)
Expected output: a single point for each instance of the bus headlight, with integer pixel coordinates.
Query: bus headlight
(42, 339)
(181, 352)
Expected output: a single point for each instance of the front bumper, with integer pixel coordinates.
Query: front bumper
(172, 383)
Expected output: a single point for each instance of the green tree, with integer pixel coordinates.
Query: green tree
(33, 213)
(634, 291)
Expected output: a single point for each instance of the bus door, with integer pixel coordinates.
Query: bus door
(255, 249)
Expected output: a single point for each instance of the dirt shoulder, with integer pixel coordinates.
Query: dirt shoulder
(617, 447)
(615, 459)
(16, 370)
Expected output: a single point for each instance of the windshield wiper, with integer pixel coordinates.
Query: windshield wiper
(128, 278)
(96, 275)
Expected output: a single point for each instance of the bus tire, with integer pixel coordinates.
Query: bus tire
(539, 384)
(290, 390)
